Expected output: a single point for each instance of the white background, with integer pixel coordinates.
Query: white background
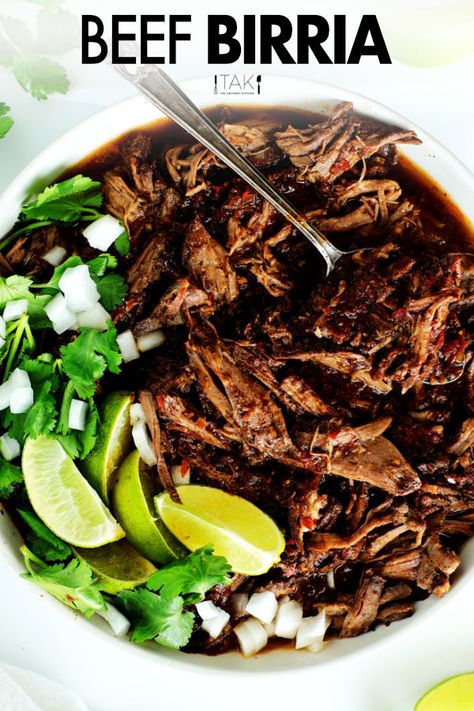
(110, 677)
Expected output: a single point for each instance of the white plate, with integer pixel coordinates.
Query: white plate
(431, 156)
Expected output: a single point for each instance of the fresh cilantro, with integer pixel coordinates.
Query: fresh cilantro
(195, 574)
(17, 287)
(162, 615)
(122, 244)
(39, 76)
(112, 289)
(67, 201)
(156, 617)
(43, 542)
(6, 122)
(101, 264)
(40, 418)
(72, 584)
(86, 359)
(10, 477)
(77, 443)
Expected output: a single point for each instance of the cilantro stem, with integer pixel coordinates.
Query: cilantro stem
(23, 230)
(69, 392)
(21, 328)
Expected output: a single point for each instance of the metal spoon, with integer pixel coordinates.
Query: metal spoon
(162, 91)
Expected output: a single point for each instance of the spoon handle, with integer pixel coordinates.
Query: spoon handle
(162, 91)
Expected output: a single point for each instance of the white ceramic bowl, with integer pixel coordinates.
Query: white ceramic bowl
(436, 160)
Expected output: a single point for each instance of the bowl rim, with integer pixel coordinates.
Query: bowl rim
(198, 663)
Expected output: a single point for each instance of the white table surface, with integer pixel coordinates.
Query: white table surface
(111, 678)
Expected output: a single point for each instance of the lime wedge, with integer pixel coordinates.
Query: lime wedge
(237, 529)
(453, 694)
(117, 566)
(63, 499)
(113, 443)
(132, 502)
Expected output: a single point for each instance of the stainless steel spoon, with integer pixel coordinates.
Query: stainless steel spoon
(162, 91)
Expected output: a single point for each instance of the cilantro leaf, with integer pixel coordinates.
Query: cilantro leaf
(10, 476)
(6, 122)
(196, 573)
(77, 443)
(99, 265)
(72, 584)
(112, 289)
(17, 287)
(65, 201)
(122, 244)
(43, 542)
(39, 76)
(86, 359)
(40, 418)
(155, 617)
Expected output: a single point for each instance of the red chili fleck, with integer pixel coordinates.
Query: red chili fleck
(160, 400)
(308, 522)
(201, 422)
(184, 467)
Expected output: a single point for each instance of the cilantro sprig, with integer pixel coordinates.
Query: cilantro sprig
(165, 616)
(72, 583)
(42, 542)
(10, 478)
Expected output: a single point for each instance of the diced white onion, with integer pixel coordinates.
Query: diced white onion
(19, 379)
(15, 309)
(330, 580)
(96, 317)
(269, 629)
(102, 233)
(77, 414)
(60, 315)
(251, 636)
(79, 289)
(312, 630)
(316, 646)
(128, 347)
(136, 414)
(5, 392)
(21, 399)
(9, 447)
(55, 256)
(118, 622)
(151, 340)
(288, 619)
(263, 606)
(207, 610)
(181, 474)
(215, 625)
(239, 602)
(3, 327)
(143, 443)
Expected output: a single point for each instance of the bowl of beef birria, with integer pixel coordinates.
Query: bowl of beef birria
(208, 447)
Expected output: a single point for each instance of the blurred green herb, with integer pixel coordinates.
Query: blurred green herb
(6, 122)
(26, 53)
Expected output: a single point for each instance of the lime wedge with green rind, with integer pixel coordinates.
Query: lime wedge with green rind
(63, 499)
(453, 694)
(132, 503)
(237, 529)
(113, 443)
(117, 566)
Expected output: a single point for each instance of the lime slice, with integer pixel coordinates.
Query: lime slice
(453, 694)
(113, 443)
(132, 501)
(237, 529)
(117, 566)
(63, 499)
